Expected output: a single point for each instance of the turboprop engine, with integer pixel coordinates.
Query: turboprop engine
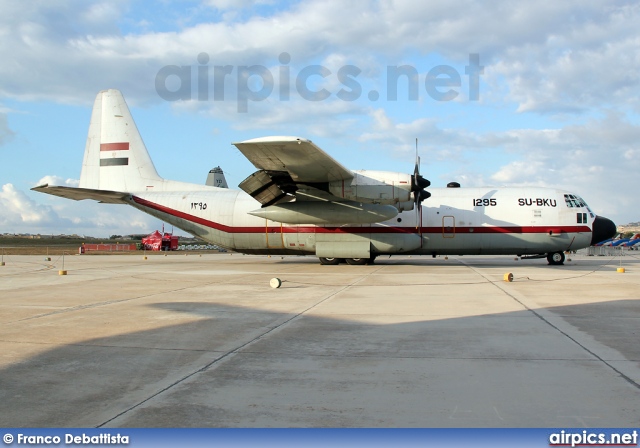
(382, 187)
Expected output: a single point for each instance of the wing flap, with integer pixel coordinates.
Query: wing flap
(268, 187)
(78, 194)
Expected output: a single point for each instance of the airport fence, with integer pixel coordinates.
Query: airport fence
(607, 251)
(108, 247)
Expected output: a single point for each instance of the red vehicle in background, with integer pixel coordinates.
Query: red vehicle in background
(159, 241)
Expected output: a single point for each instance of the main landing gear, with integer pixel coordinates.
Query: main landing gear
(330, 261)
(358, 261)
(351, 261)
(555, 258)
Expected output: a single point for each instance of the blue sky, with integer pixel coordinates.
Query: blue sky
(557, 102)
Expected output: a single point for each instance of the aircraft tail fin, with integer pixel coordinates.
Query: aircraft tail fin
(115, 156)
(216, 178)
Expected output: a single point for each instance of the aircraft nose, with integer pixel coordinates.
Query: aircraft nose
(603, 229)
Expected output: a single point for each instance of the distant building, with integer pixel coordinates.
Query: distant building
(632, 227)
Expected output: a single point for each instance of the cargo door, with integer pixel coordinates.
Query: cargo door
(448, 227)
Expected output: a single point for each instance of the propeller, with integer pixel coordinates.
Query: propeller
(418, 185)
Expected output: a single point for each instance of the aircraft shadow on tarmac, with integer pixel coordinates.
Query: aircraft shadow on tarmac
(238, 366)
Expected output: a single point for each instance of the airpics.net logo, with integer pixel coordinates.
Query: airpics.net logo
(254, 83)
(591, 438)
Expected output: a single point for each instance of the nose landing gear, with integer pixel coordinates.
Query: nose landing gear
(555, 258)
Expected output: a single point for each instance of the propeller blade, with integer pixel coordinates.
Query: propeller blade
(416, 169)
(420, 222)
(418, 185)
(417, 206)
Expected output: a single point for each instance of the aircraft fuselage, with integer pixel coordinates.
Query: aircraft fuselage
(455, 221)
(303, 201)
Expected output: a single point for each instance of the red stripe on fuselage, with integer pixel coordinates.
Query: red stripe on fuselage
(195, 219)
(123, 146)
(356, 230)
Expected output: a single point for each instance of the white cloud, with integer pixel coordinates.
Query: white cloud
(21, 214)
(598, 159)
(554, 56)
(381, 121)
(17, 209)
(328, 118)
(444, 142)
(234, 4)
(58, 181)
(514, 172)
(594, 159)
(632, 154)
(576, 79)
(6, 133)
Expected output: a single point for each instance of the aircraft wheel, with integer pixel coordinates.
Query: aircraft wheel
(358, 261)
(556, 258)
(329, 261)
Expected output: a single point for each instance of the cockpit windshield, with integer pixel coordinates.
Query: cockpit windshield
(574, 201)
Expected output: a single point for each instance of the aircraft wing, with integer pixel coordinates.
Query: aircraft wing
(285, 162)
(303, 160)
(77, 194)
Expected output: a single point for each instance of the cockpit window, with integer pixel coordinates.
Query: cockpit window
(574, 201)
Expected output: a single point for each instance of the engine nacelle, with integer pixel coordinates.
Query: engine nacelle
(375, 187)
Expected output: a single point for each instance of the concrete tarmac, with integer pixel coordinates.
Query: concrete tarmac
(204, 341)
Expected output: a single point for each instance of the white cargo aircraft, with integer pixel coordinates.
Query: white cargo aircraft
(303, 202)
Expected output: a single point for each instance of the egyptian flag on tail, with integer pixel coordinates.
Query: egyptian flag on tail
(111, 154)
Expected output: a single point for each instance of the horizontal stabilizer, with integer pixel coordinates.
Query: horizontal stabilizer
(78, 194)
